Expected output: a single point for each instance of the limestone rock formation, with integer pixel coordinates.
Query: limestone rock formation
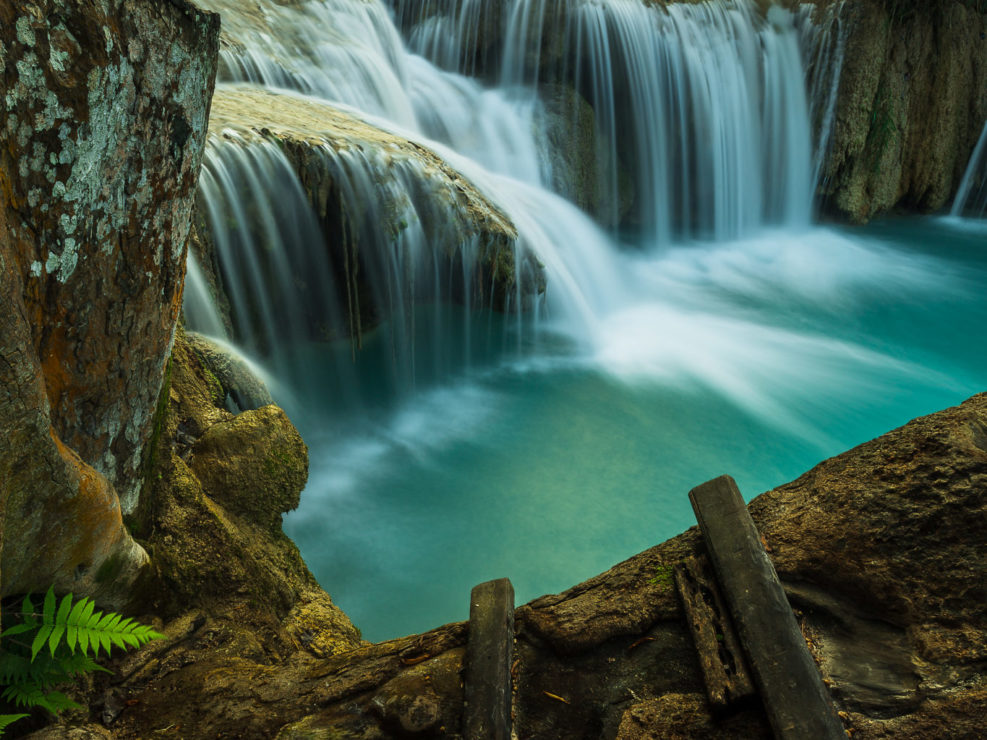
(255, 464)
(102, 123)
(367, 187)
(570, 132)
(912, 102)
(239, 382)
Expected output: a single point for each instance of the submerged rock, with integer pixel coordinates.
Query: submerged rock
(102, 124)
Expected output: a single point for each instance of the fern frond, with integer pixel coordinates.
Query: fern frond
(9, 719)
(84, 629)
(13, 667)
(29, 695)
(78, 664)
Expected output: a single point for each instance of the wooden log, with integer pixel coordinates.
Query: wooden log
(795, 698)
(728, 681)
(487, 714)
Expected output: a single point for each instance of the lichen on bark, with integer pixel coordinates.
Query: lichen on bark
(102, 122)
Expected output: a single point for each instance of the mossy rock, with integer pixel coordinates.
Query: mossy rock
(255, 465)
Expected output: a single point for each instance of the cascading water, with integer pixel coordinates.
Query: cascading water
(971, 198)
(698, 323)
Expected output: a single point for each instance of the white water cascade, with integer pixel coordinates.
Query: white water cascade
(659, 164)
(701, 108)
(971, 198)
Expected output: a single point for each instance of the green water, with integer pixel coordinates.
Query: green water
(757, 359)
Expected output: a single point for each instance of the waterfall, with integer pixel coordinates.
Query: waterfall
(700, 128)
(646, 170)
(971, 198)
(702, 106)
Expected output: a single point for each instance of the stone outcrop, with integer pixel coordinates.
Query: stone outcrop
(211, 521)
(912, 102)
(102, 123)
(569, 129)
(367, 187)
(882, 551)
(242, 388)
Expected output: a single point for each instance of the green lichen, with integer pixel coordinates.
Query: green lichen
(160, 416)
(883, 129)
(662, 577)
(280, 463)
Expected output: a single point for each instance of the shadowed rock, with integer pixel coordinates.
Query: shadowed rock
(102, 124)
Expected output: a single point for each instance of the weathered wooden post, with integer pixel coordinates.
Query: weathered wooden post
(487, 714)
(729, 685)
(796, 701)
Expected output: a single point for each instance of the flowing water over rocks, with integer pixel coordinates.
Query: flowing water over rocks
(688, 288)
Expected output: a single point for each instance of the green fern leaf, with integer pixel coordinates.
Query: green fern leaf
(30, 695)
(78, 664)
(104, 623)
(27, 608)
(24, 695)
(59, 623)
(12, 667)
(72, 624)
(87, 612)
(56, 701)
(17, 629)
(9, 719)
(40, 639)
(48, 613)
(104, 640)
(44, 671)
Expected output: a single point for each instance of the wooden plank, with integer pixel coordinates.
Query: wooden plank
(796, 701)
(728, 681)
(487, 714)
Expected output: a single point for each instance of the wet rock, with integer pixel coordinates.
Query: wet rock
(239, 382)
(102, 123)
(217, 544)
(686, 717)
(581, 161)
(85, 732)
(368, 188)
(255, 464)
(911, 105)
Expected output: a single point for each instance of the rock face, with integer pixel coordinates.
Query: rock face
(912, 102)
(239, 382)
(396, 219)
(104, 115)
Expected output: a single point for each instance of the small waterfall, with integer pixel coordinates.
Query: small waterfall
(702, 106)
(971, 198)
(262, 232)
(823, 34)
(368, 253)
(200, 302)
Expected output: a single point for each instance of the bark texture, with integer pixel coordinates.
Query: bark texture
(102, 123)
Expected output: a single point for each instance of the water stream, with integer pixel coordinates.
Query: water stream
(706, 326)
